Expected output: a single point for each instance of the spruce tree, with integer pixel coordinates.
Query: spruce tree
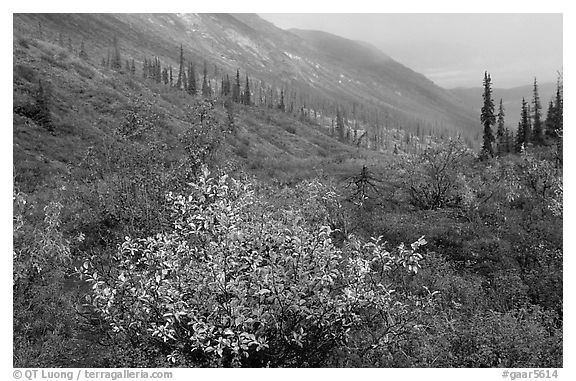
(500, 131)
(528, 129)
(340, 128)
(132, 67)
(537, 128)
(281, 105)
(523, 134)
(145, 68)
(487, 118)
(116, 60)
(156, 70)
(559, 122)
(180, 81)
(558, 119)
(165, 76)
(551, 121)
(236, 88)
(171, 77)
(559, 107)
(247, 100)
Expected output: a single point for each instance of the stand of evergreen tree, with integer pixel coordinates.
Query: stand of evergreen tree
(225, 87)
(554, 117)
(281, 105)
(340, 128)
(523, 134)
(487, 118)
(246, 98)
(180, 81)
(537, 129)
(236, 88)
(116, 59)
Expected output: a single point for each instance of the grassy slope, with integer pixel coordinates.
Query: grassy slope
(88, 101)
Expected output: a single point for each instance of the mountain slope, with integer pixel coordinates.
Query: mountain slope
(321, 70)
(89, 104)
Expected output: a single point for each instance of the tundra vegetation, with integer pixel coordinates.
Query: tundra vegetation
(154, 227)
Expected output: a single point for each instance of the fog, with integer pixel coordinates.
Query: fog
(452, 49)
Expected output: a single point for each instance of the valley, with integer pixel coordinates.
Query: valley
(209, 190)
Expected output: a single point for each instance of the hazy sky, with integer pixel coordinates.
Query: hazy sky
(452, 49)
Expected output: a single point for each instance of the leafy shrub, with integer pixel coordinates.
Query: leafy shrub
(431, 179)
(43, 312)
(519, 338)
(231, 285)
(140, 118)
(203, 136)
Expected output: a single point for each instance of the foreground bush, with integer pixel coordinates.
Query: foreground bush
(238, 284)
(433, 179)
(44, 318)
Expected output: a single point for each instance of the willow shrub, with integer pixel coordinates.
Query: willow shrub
(237, 284)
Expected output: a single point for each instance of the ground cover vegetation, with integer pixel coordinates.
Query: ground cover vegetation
(155, 225)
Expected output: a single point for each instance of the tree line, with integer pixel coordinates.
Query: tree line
(352, 123)
(532, 131)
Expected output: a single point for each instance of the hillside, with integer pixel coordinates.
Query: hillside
(316, 67)
(376, 94)
(89, 103)
(287, 199)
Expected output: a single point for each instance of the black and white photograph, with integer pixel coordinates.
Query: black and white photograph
(286, 190)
